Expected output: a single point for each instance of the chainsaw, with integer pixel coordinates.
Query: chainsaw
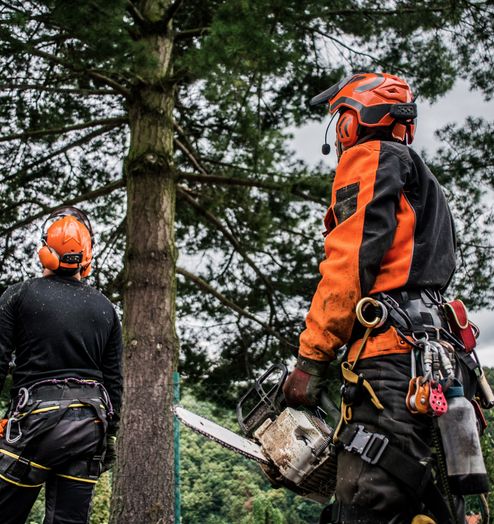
(294, 447)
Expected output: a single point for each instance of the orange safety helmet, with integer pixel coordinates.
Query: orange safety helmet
(68, 242)
(370, 100)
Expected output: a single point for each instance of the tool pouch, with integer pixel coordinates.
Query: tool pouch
(457, 315)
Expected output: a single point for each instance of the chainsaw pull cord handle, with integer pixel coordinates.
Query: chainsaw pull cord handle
(347, 368)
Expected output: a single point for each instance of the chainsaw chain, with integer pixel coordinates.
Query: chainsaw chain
(225, 445)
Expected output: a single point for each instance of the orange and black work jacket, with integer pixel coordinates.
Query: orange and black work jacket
(389, 227)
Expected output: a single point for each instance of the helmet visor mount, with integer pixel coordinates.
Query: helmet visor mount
(331, 92)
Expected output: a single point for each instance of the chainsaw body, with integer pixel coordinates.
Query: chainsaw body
(297, 443)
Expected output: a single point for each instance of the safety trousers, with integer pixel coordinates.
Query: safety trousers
(366, 492)
(66, 459)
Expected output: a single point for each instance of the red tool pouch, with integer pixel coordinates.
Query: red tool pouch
(460, 325)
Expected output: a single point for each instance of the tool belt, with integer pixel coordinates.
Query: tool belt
(51, 399)
(411, 312)
(414, 312)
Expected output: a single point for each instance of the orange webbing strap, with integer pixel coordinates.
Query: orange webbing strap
(3, 424)
(349, 376)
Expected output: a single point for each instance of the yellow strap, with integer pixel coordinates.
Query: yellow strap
(350, 376)
(353, 378)
(346, 417)
(53, 408)
(89, 481)
(19, 484)
(44, 410)
(34, 464)
(367, 333)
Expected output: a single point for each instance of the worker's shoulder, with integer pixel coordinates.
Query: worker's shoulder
(380, 147)
(65, 287)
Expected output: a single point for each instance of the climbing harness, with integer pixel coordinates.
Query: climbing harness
(25, 396)
(50, 399)
(436, 351)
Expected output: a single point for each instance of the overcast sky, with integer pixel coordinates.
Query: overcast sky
(454, 107)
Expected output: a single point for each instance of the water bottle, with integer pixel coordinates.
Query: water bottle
(461, 443)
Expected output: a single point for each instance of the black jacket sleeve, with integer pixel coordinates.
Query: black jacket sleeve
(112, 371)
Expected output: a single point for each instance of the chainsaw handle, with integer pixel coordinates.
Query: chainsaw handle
(329, 407)
(263, 400)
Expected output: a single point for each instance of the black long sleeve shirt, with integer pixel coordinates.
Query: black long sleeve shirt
(58, 328)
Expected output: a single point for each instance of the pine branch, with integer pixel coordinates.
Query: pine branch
(392, 12)
(171, 11)
(106, 122)
(191, 156)
(136, 14)
(207, 178)
(191, 33)
(96, 193)
(186, 195)
(71, 145)
(202, 284)
(97, 75)
(70, 91)
(249, 182)
(108, 81)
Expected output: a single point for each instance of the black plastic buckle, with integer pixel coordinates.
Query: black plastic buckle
(71, 258)
(364, 444)
(404, 112)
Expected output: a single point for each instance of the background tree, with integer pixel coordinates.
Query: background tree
(197, 98)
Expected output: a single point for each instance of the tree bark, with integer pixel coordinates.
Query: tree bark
(143, 489)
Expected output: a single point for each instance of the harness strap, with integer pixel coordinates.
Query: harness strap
(375, 449)
(347, 368)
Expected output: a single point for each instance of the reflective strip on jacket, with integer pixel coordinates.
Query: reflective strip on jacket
(388, 227)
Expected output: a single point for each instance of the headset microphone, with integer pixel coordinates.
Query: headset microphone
(326, 148)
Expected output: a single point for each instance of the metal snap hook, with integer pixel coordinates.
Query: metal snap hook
(378, 320)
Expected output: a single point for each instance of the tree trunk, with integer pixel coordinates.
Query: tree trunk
(143, 490)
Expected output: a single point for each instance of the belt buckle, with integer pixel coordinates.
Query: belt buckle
(363, 443)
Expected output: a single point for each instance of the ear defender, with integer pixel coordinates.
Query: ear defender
(347, 128)
(49, 258)
(86, 271)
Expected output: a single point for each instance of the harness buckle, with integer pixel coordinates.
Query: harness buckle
(370, 446)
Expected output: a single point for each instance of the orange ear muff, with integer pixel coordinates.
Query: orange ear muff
(347, 128)
(399, 131)
(49, 258)
(86, 270)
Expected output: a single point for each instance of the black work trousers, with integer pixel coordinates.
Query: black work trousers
(67, 501)
(368, 486)
(64, 460)
(367, 493)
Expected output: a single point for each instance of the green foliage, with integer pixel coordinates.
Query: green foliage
(221, 487)
(242, 73)
(100, 505)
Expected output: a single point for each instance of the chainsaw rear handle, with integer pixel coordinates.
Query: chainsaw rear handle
(329, 407)
(263, 400)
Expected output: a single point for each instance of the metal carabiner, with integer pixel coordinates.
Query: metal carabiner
(8, 431)
(426, 358)
(23, 396)
(446, 361)
(378, 321)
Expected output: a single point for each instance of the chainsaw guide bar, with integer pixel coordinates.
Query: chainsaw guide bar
(226, 438)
